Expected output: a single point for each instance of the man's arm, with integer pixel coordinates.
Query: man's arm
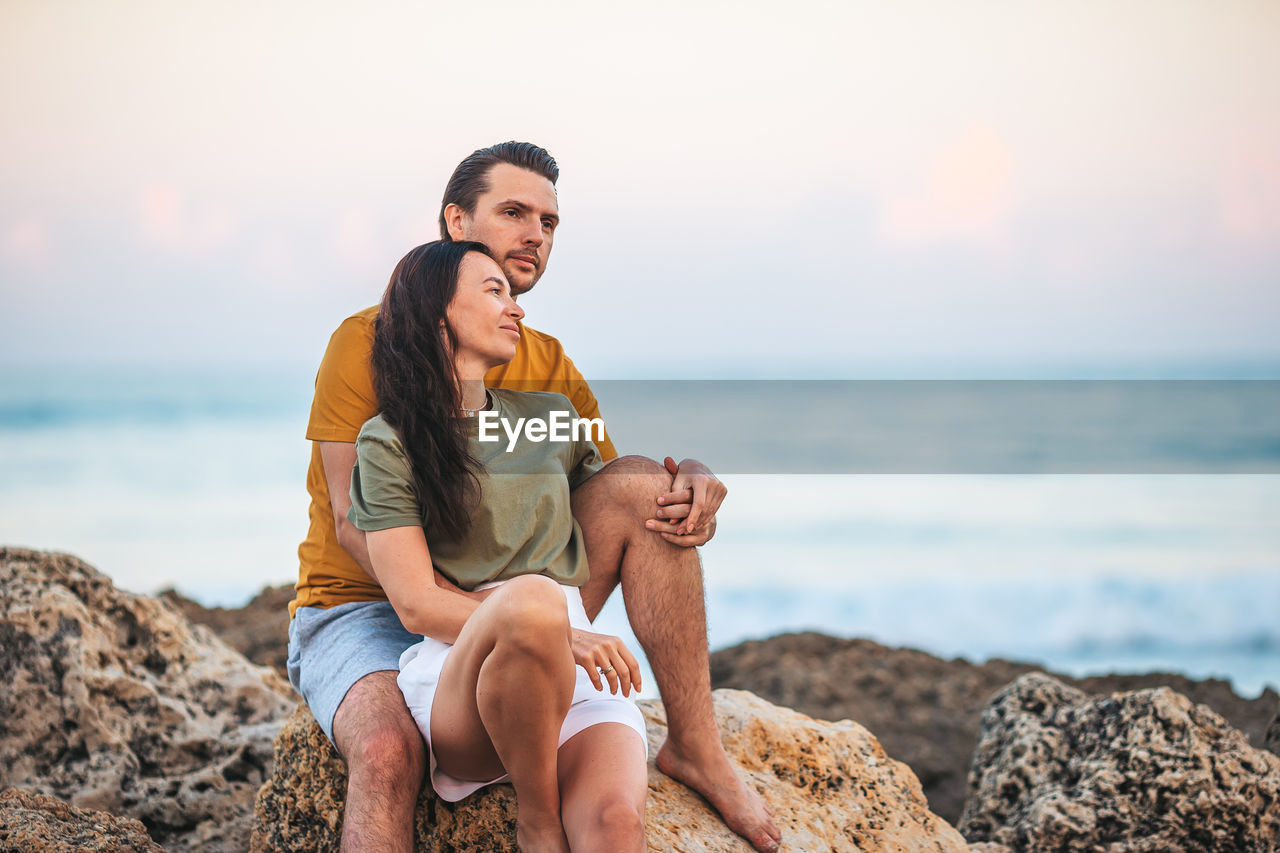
(339, 457)
(686, 515)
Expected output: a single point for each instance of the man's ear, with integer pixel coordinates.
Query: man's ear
(453, 220)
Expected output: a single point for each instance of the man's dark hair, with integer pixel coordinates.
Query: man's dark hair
(471, 179)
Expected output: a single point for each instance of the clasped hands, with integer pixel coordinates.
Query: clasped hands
(686, 515)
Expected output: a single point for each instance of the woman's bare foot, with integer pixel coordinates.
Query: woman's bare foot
(540, 836)
(712, 775)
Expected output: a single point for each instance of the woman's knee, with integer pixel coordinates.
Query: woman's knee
(532, 613)
(619, 817)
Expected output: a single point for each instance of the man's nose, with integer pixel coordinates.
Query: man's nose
(533, 233)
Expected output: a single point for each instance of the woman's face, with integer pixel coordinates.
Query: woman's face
(484, 317)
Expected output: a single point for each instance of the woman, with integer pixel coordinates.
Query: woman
(508, 682)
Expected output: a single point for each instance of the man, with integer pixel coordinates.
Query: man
(640, 522)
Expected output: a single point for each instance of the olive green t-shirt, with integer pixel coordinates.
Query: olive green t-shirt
(522, 523)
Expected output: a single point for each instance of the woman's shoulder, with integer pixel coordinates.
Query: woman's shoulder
(377, 430)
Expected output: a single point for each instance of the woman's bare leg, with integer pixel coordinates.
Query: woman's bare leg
(502, 699)
(603, 786)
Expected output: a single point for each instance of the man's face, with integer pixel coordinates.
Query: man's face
(516, 219)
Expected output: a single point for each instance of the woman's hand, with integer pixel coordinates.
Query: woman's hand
(597, 652)
(687, 514)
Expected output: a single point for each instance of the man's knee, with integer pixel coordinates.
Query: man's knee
(389, 753)
(638, 465)
(374, 731)
(633, 479)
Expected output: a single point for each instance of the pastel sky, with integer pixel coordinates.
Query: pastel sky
(805, 188)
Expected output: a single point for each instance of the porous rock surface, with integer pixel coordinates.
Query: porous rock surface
(830, 784)
(259, 630)
(113, 702)
(1139, 772)
(926, 710)
(31, 822)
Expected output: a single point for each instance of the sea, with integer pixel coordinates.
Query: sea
(1088, 526)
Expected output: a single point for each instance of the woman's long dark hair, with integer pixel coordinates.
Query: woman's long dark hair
(417, 387)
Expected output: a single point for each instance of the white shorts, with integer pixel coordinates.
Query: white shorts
(420, 667)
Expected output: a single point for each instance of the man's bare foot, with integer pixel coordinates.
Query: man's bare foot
(712, 775)
(534, 836)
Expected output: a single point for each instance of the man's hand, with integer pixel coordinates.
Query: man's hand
(687, 513)
(475, 595)
(596, 652)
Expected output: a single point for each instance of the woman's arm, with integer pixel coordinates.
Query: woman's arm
(338, 458)
(402, 565)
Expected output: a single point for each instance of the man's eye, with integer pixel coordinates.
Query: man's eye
(512, 212)
(548, 224)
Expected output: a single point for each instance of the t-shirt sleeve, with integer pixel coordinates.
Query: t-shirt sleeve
(586, 462)
(579, 393)
(382, 494)
(344, 397)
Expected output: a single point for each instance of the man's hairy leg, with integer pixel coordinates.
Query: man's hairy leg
(663, 592)
(386, 760)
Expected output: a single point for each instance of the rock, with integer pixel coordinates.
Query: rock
(114, 702)
(1057, 769)
(37, 823)
(1272, 740)
(259, 630)
(924, 710)
(831, 785)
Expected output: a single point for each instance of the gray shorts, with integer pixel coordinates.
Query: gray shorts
(330, 649)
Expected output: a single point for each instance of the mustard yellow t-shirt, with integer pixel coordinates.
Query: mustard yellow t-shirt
(345, 399)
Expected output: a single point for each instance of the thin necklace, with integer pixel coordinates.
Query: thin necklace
(471, 413)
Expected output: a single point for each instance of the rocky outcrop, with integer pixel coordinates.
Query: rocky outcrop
(259, 630)
(37, 823)
(1272, 741)
(1057, 769)
(924, 710)
(831, 785)
(112, 701)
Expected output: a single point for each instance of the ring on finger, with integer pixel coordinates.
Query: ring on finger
(604, 671)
